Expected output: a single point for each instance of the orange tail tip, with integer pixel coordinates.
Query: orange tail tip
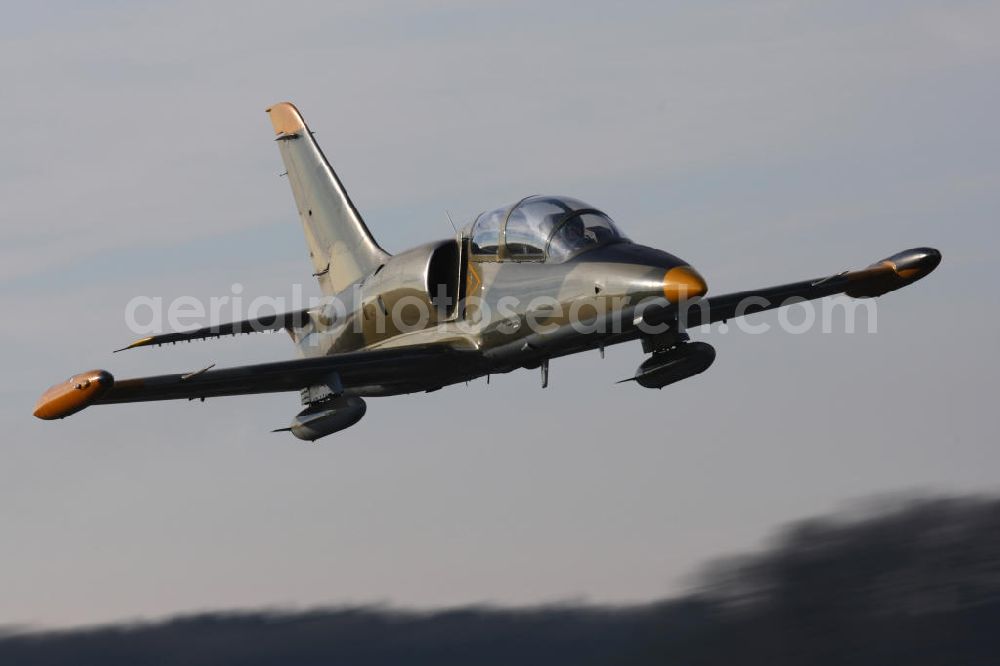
(76, 393)
(286, 119)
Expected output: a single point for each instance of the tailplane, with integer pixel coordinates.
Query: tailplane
(342, 249)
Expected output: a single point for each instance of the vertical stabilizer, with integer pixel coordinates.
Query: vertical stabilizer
(340, 245)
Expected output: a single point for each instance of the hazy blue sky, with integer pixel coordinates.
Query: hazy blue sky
(763, 142)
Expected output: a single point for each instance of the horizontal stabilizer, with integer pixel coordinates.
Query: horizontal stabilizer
(271, 322)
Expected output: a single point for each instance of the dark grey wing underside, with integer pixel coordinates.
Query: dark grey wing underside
(386, 371)
(741, 303)
(890, 274)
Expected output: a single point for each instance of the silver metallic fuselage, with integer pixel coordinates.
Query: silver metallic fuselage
(513, 313)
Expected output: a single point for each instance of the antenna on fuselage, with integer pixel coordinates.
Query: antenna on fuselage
(451, 221)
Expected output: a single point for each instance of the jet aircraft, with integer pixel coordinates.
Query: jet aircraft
(538, 279)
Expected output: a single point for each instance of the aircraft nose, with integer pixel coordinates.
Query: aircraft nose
(683, 282)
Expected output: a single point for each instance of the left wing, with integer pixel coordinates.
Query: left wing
(890, 274)
(381, 371)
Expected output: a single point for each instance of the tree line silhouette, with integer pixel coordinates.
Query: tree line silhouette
(914, 582)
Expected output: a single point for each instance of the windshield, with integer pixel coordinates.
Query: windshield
(580, 231)
(542, 228)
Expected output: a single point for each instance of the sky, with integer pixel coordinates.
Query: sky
(763, 142)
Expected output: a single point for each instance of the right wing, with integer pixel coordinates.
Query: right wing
(380, 371)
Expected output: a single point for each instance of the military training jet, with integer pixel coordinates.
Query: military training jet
(544, 277)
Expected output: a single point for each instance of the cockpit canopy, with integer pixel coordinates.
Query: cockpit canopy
(542, 228)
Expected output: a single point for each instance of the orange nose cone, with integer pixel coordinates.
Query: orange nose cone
(71, 396)
(683, 282)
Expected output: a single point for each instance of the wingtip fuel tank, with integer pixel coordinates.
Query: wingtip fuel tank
(892, 273)
(73, 395)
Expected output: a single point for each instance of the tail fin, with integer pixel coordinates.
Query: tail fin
(340, 245)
